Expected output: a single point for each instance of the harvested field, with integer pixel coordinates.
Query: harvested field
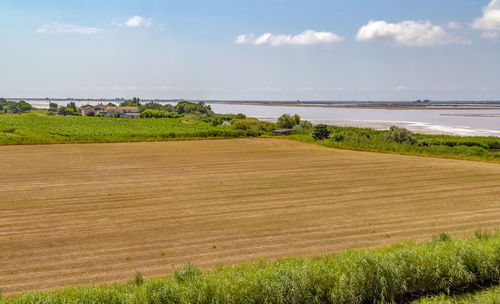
(80, 213)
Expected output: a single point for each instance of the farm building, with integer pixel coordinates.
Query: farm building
(89, 110)
(280, 132)
(122, 112)
(110, 111)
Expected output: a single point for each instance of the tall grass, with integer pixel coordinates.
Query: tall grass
(390, 274)
(487, 296)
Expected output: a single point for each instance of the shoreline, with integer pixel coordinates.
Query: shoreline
(370, 105)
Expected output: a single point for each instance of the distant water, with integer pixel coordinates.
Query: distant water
(453, 122)
(423, 121)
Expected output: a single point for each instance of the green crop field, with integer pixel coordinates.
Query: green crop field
(37, 128)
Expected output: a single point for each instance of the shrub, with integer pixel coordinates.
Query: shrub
(151, 113)
(14, 107)
(253, 125)
(138, 280)
(400, 135)
(194, 108)
(134, 102)
(321, 132)
(304, 127)
(287, 122)
(65, 111)
(338, 137)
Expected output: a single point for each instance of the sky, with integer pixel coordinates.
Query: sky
(251, 49)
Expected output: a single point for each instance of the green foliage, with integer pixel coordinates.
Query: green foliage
(67, 111)
(33, 128)
(254, 125)
(338, 136)
(321, 132)
(150, 113)
(199, 108)
(304, 127)
(14, 107)
(156, 106)
(483, 148)
(370, 276)
(400, 135)
(134, 102)
(286, 121)
(486, 296)
(138, 280)
(72, 106)
(443, 237)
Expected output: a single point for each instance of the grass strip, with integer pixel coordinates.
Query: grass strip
(396, 273)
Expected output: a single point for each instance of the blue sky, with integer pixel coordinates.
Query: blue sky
(273, 49)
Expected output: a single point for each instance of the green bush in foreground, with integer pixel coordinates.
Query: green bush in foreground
(391, 274)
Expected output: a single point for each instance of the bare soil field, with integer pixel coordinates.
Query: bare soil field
(77, 214)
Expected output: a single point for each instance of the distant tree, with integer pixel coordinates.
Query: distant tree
(186, 107)
(152, 113)
(71, 105)
(17, 107)
(61, 110)
(70, 112)
(110, 104)
(321, 132)
(151, 106)
(3, 103)
(287, 122)
(134, 102)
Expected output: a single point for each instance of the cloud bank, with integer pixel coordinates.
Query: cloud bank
(308, 37)
(408, 33)
(55, 28)
(489, 23)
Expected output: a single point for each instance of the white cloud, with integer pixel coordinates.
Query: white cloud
(490, 21)
(138, 21)
(409, 33)
(308, 37)
(53, 28)
(452, 25)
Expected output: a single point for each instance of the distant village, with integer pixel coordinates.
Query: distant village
(100, 110)
(110, 111)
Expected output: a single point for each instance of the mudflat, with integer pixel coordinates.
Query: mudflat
(78, 214)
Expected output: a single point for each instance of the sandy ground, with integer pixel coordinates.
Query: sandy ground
(98, 213)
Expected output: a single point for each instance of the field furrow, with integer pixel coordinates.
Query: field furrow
(77, 214)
